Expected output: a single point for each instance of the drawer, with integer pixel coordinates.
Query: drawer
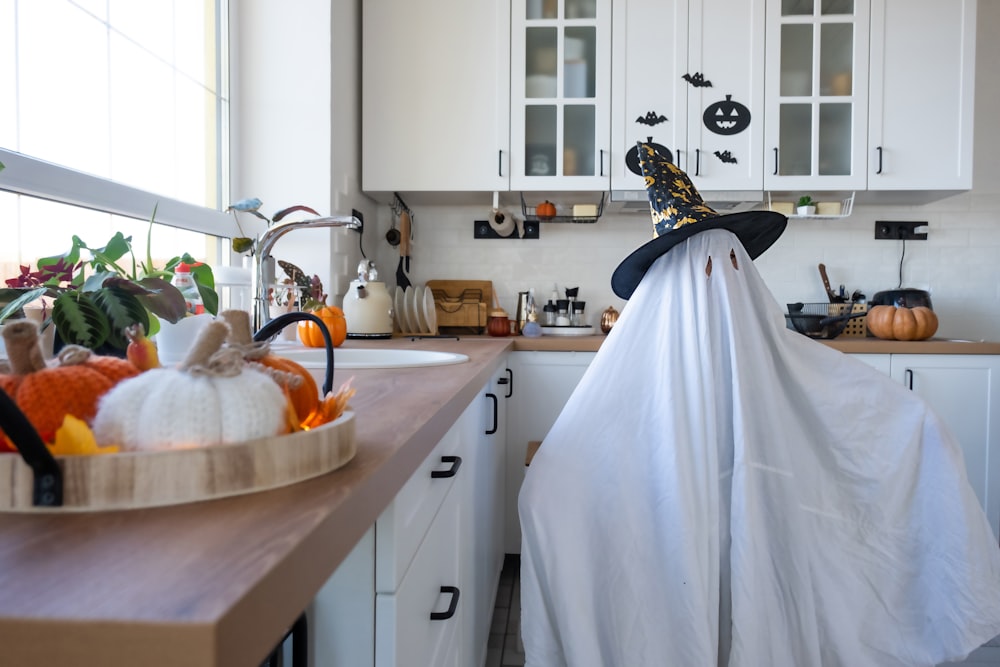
(402, 526)
(407, 635)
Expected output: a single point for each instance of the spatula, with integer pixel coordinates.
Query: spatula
(402, 280)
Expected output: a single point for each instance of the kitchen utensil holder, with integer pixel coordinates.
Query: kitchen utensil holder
(856, 328)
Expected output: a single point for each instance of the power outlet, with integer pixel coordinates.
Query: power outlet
(896, 231)
(481, 230)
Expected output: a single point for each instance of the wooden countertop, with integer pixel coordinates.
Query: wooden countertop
(217, 583)
(848, 345)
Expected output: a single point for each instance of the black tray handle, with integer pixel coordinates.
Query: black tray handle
(48, 485)
(272, 328)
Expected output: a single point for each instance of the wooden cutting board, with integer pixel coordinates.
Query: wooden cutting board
(171, 477)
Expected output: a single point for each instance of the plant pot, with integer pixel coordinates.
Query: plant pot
(806, 210)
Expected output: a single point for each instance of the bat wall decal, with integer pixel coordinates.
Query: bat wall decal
(697, 80)
(726, 157)
(651, 118)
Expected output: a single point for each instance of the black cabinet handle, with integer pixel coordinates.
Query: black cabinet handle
(697, 162)
(496, 418)
(677, 154)
(908, 379)
(602, 162)
(500, 163)
(452, 606)
(456, 463)
(775, 160)
(509, 381)
(878, 149)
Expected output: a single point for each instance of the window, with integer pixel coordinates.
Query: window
(109, 108)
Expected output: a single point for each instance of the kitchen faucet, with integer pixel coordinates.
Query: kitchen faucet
(263, 275)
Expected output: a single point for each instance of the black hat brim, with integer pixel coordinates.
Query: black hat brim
(756, 230)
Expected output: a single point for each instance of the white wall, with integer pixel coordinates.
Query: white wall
(958, 263)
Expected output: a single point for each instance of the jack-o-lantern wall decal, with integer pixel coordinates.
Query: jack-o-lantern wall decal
(632, 156)
(726, 116)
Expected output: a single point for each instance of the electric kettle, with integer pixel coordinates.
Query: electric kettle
(367, 305)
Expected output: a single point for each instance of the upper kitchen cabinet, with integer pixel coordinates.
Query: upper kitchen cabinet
(560, 94)
(816, 118)
(921, 95)
(688, 76)
(435, 95)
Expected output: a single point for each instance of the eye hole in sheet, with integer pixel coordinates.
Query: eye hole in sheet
(732, 258)
(708, 267)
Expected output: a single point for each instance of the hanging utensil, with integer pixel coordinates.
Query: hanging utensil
(402, 280)
(392, 236)
(826, 285)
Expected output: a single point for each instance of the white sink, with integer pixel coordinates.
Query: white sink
(345, 358)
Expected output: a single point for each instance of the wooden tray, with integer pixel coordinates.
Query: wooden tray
(170, 477)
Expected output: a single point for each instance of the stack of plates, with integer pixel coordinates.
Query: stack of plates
(413, 310)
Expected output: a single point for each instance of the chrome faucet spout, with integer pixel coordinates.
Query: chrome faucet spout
(264, 273)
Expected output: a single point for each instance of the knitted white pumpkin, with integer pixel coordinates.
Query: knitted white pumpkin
(211, 398)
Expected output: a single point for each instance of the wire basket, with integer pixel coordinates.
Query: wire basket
(855, 328)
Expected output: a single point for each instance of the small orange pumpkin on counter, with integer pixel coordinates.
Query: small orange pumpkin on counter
(333, 318)
(546, 210)
(901, 323)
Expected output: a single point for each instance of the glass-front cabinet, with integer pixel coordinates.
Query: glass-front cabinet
(816, 120)
(560, 93)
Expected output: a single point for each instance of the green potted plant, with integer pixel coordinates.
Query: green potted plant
(805, 206)
(94, 300)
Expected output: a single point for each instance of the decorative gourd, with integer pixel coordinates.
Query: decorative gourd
(333, 318)
(546, 210)
(71, 384)
(901, 323)
(213, 397)
(293, 377)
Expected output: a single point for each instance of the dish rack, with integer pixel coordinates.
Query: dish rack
(856, 328)
(461, 305)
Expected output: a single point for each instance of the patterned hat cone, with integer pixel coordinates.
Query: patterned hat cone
(678, 212)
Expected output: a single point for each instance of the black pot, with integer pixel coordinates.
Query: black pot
(904, 297)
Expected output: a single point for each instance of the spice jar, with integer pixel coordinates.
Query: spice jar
(499, 324)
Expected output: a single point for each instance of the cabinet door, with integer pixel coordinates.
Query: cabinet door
(816, 120)
(964, 390)
(649, 95)
(725, 119)
(435, 100)
(560, 94)
(543, 382)
(922, 80)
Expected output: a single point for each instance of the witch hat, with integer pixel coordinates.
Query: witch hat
(678, 213)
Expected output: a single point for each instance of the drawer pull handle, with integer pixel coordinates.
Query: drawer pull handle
(510, 380)
(452, 606)
(496, 418)
(908, 378)
(456, 463)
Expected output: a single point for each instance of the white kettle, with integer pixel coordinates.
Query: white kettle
(367, 305)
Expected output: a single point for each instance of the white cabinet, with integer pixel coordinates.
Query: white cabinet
(922, 80)
(688, 75)
(435, 95)
(542, 383)
(420, 587)
(560, 94)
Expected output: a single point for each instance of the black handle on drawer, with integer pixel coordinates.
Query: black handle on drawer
(496, 417)
(452, 606)
(908, 379)
(456, 463)
(509, 381)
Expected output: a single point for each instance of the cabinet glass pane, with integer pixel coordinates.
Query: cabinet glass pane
(540, 140)
(579, 149)
(579, 72)
(795, 156)
(541, 9)
(540, 62)
(796, 59)
(835, 139)
(836, 44)
(581, 9)
(837, 7)
(796, 7)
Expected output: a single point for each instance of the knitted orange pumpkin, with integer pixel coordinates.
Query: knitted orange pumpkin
(69, 385)
(333, 319)
(303, 392)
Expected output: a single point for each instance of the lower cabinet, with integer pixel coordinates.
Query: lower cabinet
(420, 587)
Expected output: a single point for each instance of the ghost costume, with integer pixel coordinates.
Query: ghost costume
(720, 490)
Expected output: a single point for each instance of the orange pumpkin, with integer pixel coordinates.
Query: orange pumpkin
(333, 319)
(72, 385)
(546, 210)
(302, 394)
(900, 323)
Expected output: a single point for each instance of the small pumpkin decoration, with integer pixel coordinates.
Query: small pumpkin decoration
(333, 319)
(901, 323)
(212, 397)
(293, 378)
(546, 210)
(70, 384)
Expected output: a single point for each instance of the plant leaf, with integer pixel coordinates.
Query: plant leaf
(161, 298)
(122, 310)
(19, 299)
(79, 321)
(242, 243)
(291, 209)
